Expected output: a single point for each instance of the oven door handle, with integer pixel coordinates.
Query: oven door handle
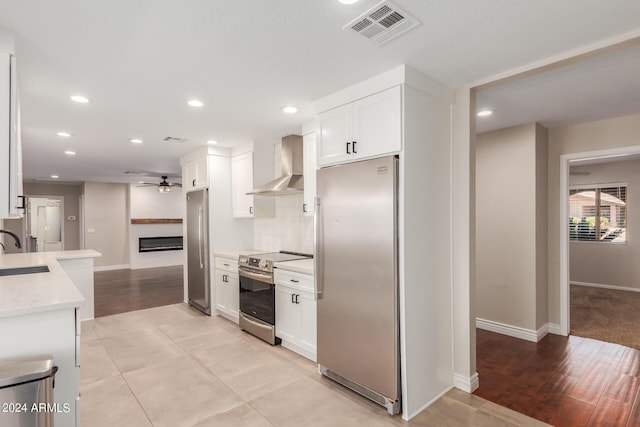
(260, 277)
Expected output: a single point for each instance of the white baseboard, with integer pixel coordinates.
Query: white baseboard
(598, 285)
(466, 384)
(512, 331)
(554, 329)
(111, 267)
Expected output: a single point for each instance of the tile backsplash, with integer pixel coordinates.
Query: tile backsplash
(290, 230)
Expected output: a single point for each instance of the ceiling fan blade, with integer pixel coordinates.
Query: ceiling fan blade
(147, 184)
(175, 184)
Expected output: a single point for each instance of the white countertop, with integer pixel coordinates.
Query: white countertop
(235, 253)
(305, 266)
(39, 292)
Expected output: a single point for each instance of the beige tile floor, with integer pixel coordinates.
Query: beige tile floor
(172, 366)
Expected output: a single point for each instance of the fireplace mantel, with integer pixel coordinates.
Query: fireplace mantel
(156, 220)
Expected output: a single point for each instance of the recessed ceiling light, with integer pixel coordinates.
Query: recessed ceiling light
(195, 103)
(136, 140)
(212, 142)
(348, 1)
(289, 109)
(140, 182)
(64, 134)
(484, 113)
(55, 176)
(79, 98)
(70, 153)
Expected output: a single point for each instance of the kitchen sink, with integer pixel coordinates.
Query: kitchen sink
(24, 270)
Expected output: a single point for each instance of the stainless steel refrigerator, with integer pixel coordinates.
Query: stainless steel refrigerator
(198, 278)
(357, 278)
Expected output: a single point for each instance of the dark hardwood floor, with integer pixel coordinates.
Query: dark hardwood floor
(119, 291)
(564, 381)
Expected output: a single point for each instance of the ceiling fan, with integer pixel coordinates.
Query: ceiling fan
(163, 186)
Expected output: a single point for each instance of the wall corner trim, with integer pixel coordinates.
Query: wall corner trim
(466, 384)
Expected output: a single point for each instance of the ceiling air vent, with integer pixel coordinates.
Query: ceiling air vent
(383, 23)
(173, 139)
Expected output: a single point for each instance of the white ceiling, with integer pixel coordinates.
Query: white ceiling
(140, 61)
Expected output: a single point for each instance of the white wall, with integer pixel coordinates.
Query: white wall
(146, 202)
(610, 264)
(592, 136)
(511, 227)
(107, 214)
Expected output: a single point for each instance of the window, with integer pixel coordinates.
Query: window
(608, 204)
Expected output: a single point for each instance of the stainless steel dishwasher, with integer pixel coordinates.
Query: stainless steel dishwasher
(26, 391)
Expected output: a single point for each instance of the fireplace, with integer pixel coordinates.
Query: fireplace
(156, 244)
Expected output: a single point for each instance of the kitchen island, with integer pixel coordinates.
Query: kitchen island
(39, 315)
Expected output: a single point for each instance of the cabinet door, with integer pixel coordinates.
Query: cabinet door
(195, 174)
(286, 314)
(307, 336)
(10, 149)
(233, 295)
(377, 123)
(241, 184)
(309, 172)
(222, 302)
(335, 130)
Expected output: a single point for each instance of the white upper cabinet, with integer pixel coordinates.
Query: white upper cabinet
(11, 200)
(309, 172)
(335, 128)
(368, 127)
(195, 174)
(241, 184)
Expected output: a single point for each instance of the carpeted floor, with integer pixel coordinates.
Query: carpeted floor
(606, 315)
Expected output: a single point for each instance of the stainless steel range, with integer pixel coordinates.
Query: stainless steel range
(257, 292)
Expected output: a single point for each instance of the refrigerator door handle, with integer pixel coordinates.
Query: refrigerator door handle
(200, 235)
(318, 283)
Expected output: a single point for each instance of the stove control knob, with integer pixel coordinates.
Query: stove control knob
(263, 264)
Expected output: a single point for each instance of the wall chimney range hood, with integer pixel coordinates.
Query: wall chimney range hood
(291, 181)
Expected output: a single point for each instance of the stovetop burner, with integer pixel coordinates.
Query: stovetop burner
(264, 262)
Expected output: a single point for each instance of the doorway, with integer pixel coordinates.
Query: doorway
(566, 162)
(44, 225)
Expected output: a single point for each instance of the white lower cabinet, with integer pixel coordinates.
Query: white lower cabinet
(296, 312)
(227, 288)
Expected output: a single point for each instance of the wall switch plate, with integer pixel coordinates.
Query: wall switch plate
(91, 230)
(71, 218)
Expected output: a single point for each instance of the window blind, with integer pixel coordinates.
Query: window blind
(598, 214)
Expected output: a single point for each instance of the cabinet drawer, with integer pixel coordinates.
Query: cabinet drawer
(227, 264)
(293, 279)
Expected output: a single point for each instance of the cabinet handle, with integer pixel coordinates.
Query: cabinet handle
(304, 207)
(292, 298)
(251, 210)
(348, 144)
(297, 302)
(354, 147)
(23, 207)
(193, 183)
(295, 280)
(226, 265)
(225, 278)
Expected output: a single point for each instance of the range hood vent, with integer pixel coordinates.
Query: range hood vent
(383, 23)
(291, 180)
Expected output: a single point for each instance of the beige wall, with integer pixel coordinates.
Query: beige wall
(603, 134)
(107, 212)
(511, 226)
(609, 264)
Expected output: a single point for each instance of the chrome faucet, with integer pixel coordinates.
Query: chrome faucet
(15, 237)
